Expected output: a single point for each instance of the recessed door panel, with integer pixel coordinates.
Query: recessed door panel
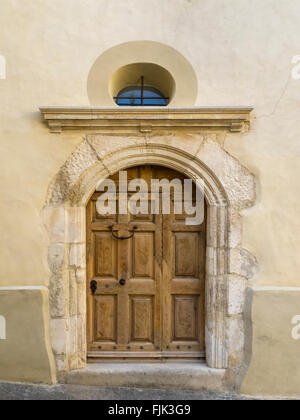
(105, 255)
(105, 318)
(143, 255)
(185, 318)
(141, 318)
(186, 252)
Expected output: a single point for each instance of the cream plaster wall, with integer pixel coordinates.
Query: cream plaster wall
(241, 52)
(25, 350)
(271, 346)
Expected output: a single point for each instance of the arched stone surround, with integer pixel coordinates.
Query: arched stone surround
(229, 189)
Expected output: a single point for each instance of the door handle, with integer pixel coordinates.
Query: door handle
(122, 282)
(123, 238)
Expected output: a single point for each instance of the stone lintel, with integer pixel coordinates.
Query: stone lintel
(146, 120)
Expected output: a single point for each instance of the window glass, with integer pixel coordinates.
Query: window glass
(141, 96)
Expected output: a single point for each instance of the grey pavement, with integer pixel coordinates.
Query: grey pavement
(10, 391)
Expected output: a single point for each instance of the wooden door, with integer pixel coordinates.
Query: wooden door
(147, 299)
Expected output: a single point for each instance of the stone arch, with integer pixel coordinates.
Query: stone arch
(229, 189)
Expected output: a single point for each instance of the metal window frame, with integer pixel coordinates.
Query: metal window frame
(142, 97)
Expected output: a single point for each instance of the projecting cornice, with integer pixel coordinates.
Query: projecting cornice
(142, 119)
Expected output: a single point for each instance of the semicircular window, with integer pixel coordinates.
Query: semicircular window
(141, 96)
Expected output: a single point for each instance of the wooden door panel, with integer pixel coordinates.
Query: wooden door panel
(105, 318)
(143, 255)
(136, 286)
(142, 319)
(123, 337)
(186, 252)
(143, 218)
(96, 217)
(185, 318)
(188, 286)
(105, 255)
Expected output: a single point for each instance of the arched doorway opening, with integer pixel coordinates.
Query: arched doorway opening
(146, 271)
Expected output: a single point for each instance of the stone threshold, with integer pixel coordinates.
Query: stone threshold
(188, 376)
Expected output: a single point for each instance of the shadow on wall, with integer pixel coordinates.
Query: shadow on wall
(109, 70)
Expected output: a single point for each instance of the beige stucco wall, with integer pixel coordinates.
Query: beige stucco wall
(25, 348)
(241, 53)
(271, 345)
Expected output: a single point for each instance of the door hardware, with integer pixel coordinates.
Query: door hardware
(93, 286)
(123, 238)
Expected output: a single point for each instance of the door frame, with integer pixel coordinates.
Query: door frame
(229, 188)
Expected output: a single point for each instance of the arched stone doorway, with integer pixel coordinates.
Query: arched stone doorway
(229, 188)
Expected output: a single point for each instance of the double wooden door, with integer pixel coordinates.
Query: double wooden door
(145, 293)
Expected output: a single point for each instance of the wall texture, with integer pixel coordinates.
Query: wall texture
(26, 354)
(241, 53)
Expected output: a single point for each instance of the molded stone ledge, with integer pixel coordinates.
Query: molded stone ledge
(146, 120)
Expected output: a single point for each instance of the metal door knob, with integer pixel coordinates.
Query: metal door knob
(122, 282)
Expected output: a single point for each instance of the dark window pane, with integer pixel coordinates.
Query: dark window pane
(132, 93)
(129, 101)
(155, 101)
(152, 94)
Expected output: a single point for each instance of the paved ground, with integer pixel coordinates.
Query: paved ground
(75, 392)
